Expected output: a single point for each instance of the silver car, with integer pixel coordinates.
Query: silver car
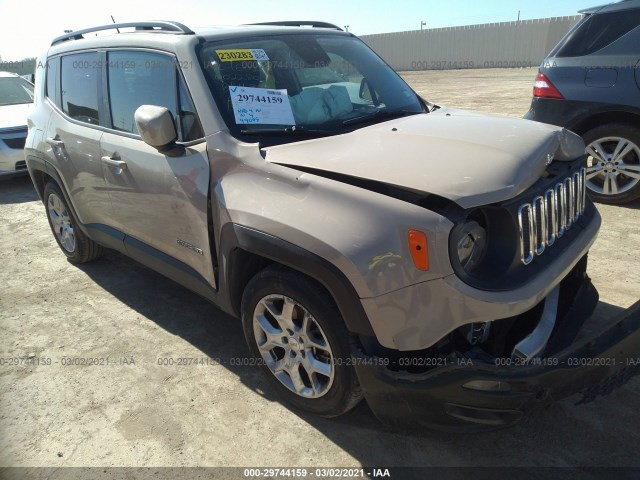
(373, 244)
(16, 99)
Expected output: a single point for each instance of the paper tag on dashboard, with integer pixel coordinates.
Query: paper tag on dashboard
(242, 54)
(261, 106)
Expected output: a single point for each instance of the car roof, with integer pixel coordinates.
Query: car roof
(612, 7)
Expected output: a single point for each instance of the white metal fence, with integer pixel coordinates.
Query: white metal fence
(522, 43)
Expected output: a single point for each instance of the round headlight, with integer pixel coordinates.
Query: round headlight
(472, 244)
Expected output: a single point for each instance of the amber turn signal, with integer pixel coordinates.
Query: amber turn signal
(419, 249)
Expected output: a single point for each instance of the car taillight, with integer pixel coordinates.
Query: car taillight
(543, 88)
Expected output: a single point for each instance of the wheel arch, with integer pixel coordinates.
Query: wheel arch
(41, 173)
(245, 251)
(583, 125)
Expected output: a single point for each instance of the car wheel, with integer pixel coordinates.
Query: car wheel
(72, 241)
(296, 333)
(613, 163)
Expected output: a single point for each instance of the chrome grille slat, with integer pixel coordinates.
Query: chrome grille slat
(552, 226)
(540, 221)
(569, 194)
(583, 189)
(547, 217)
(525, 220)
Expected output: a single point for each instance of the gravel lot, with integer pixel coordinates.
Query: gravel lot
(146, 414)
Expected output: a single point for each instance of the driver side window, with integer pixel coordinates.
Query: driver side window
(144, 78)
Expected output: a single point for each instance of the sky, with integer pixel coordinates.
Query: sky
(27, 27)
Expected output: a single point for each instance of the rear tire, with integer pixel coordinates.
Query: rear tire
(296, 333)
(613, 163)
(72, 241)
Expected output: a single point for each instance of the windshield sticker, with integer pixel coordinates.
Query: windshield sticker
(261, 106)
(242, 54)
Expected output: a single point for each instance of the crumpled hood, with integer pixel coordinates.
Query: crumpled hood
(470, 158)
(12, 116)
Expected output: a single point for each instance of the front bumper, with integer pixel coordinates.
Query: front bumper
(12, 161)
(439, 400)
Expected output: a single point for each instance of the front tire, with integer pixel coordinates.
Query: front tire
(295, 331)
(613, 163)
(72, 241)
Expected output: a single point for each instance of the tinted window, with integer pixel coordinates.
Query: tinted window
(80, 87)
(599, 31)
(15, 90)
(53, 80)
(140, 78)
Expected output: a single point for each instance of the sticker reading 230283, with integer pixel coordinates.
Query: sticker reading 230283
(242, 54)
(261, 106)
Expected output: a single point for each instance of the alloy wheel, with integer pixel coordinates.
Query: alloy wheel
(613, 165)
(293, 346)
(61, 223)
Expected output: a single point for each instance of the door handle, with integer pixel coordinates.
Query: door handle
(114, 162)
(55, 141)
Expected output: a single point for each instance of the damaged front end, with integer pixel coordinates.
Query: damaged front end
(487, 376)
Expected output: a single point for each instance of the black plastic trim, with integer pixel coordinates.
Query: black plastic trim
(156, 27)
(169, 266)
(267, 246)
(106, 236)
(297, 23)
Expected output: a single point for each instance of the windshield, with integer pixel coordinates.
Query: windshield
(303, 84)
(15, 90)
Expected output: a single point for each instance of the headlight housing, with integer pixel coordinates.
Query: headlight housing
(471, 244)
(483, 246)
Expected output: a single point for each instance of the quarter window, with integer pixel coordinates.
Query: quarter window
(53, 80)
(80, 74)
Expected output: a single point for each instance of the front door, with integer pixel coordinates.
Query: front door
(158, 201)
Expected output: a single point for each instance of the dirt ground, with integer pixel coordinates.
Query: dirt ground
(132, 411)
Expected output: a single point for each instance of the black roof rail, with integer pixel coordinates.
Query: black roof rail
(157, 26)
(300, 23)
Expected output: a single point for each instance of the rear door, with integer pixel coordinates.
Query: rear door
(159, 202)
(74, 132)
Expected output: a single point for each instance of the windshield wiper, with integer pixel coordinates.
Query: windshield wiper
(379, 115)
(295, 130)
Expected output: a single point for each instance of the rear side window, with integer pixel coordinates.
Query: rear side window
(145, 78)
(80, 75)
(599, 31)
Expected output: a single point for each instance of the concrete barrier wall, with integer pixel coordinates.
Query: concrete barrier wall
(522, 43)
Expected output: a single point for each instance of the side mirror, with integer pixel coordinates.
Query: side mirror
(155, 126)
